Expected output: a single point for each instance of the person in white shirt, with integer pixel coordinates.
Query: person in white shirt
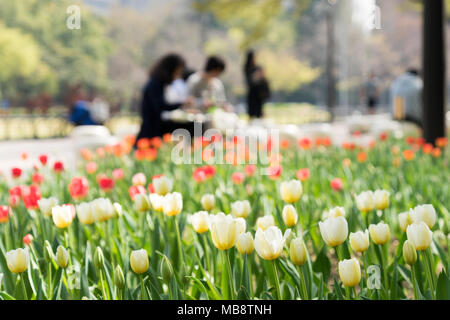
(206, 88)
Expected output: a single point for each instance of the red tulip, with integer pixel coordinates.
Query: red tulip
(199, 175)
(118, 174)
(336, 184)
(238, 177)
(134, 190)
(37, 178)
(43, 159)
(150, 188)
(5, 212)
(274, 172)
(303, 174)
(31, 196)
(16, 172)
(250, 170)
(27, 239)
(91, 167)
(106, 183)
(14, 200)
(78, 188)
(58, 167)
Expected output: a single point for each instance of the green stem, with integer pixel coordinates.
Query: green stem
(230, 274)
(413, 279)
(49, 275)
(277, 281)
(364, 256)
(429, 275)
(24, 290)
(142, 286)
(180, 251)
(303, 283)
(105, 296)
(348, 293)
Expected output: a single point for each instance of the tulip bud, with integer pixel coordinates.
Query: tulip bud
(208, 202)
(172, 204)
(265, 222)
(141, 202)
(99, 259)
(241, 209)
(404, 220)
(419, 235)
(244, 243)
(359, 241)
(290, 215)
(48, 251)
(409, 253)
(379, 233)
(336, 212)
(350, 272)
(365, 201)
(62, 257)
(166, 270)
(269, 244)
(381, 198)
(200, 221)
(298, 252)
(291, 191)
(334, 231)
(118, 210)
(425, 213)
(17, 260)
(139, 261)
(119, 279)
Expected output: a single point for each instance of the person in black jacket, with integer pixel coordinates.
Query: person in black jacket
(258, 87)
(167, 69)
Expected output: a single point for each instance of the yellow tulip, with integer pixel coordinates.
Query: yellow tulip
(290, 216)
(172, 204)
(381, 198)
(269, 243)
(380, 233)
(208, 202)
(365, 201)
(162, 185)
(139, 261)
(240, 209)
(336, 212)
(298, 252)
(85, 213)
(409, 253)
(17, 260)
(359, 241)
(420, 235)
(157, 202)
(265, 222)
(62, 216)
(244, 243)
(404, 220)
(224, 230)
(425, 213)
(200, 221)
(334, 231)
(291, 191)
(46, 205)
(141, 202)
(350, 272)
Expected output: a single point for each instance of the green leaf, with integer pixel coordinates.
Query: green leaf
(443, 287)
(6, 296)
(323, 264)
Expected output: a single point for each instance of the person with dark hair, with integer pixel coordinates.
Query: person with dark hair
(371, 93)
(258, 87)
(80, 112)
(169, 68)
(205, 87)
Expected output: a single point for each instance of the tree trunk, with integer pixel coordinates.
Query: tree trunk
(434, 70)
(331, 69)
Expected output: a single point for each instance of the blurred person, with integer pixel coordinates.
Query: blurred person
(258, 87)
(406, 97)
(205, 87)
(169, 68)
(178, 91)
(100, 110)
(80, 112)
(371, 93)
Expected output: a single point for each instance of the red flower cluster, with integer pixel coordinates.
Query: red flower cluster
(135, 190)
(202, 173)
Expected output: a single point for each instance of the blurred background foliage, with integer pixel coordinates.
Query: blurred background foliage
(42, 60)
